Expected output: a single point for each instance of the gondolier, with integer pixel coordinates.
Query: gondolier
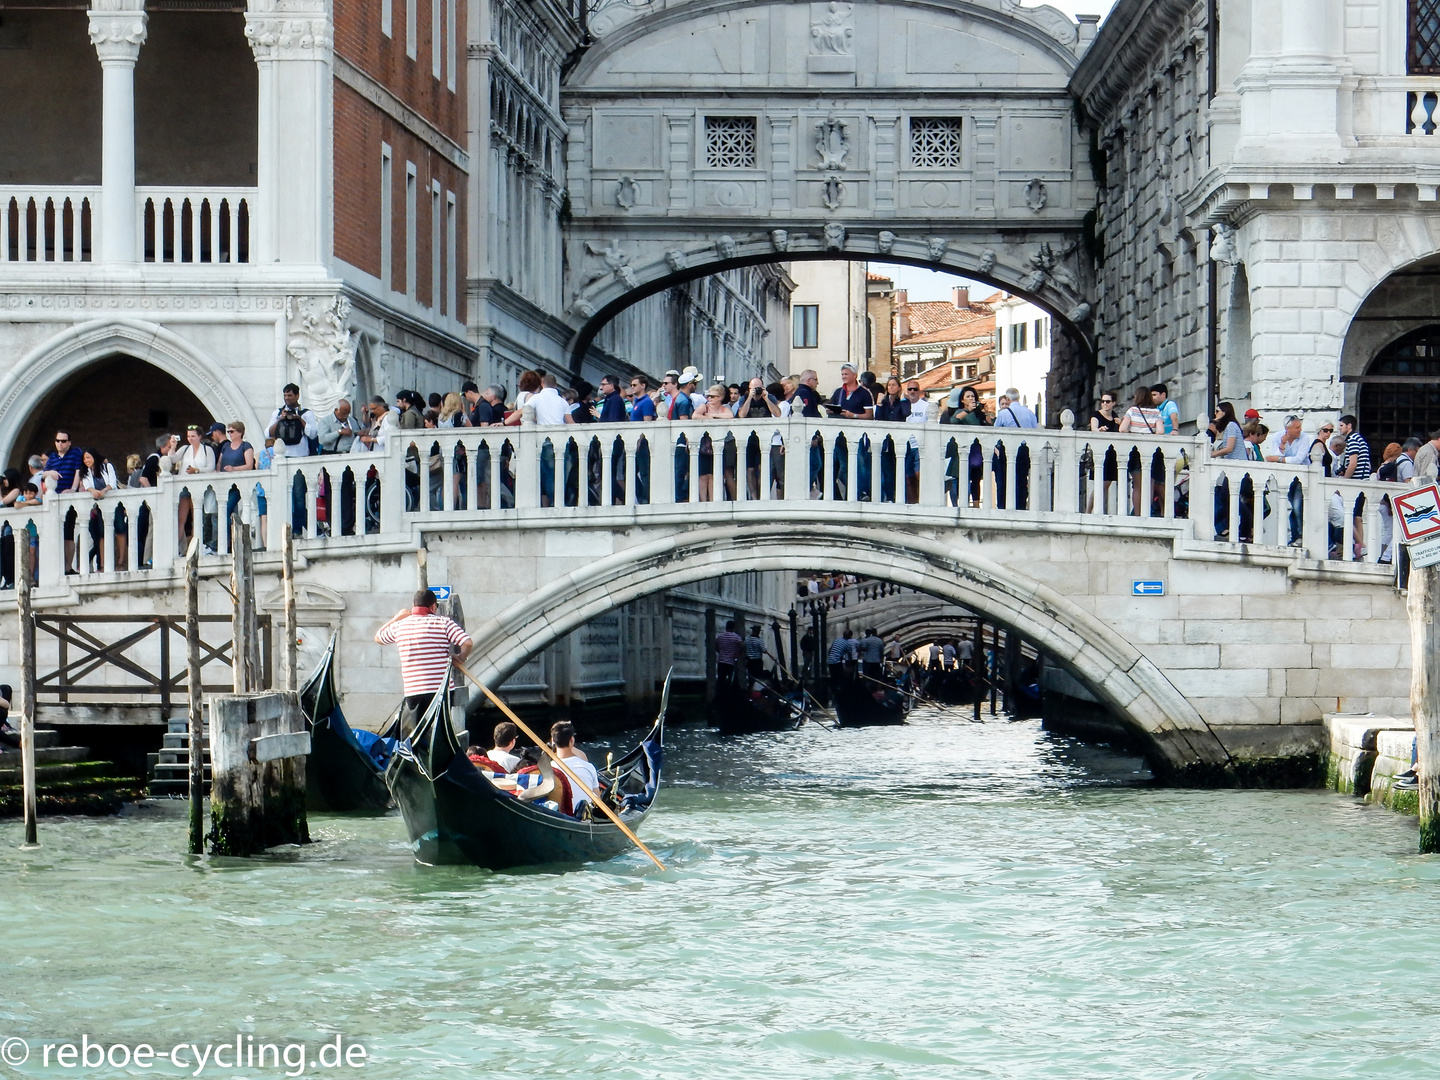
(426, 642)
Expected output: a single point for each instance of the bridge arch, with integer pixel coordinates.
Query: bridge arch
(1183, 744)
(68, 354)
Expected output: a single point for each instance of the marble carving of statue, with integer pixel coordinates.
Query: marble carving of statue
(323, 349)
(833, 34)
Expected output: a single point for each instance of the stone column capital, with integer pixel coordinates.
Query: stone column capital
(301, 35)
(118, 35)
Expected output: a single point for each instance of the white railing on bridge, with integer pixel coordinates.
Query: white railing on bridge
(579, 476)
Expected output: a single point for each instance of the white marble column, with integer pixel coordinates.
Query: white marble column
(293, 49)
(1294, 91)
(117, 30)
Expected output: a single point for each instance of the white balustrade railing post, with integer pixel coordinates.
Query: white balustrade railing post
(49, 521)
(607, 469)
(390, 471)
(797, 459)
(663, 473)
(933, 440)
(448, 500)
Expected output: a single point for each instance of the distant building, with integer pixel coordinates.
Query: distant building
(828, 318)
(880, 313)
(946, 344)
(1022, 349)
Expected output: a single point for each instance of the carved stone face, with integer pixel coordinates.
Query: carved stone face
(726, 246)
(885, 241)
(780, 239)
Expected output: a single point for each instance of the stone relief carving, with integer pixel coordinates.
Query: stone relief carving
(987, 261)
(1222, 248)
(1047, 266)
(832, 143)
(1079, 313)
(780, 239)
(117, 35)
(936, 246)
(832, 193)
(582, 307)
(616, 260)
(885, 241)
(323, 348)
(287, 37)
(726, 247)
(834, 236)
(1036, 195)
(676, 260)
(833, 32)
(626, 192)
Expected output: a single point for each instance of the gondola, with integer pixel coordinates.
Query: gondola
(455, 814)
(345, 771)
(736, 712)
(953, 687)
(865, 703)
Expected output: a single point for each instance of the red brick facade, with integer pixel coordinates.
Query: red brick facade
(361, 127)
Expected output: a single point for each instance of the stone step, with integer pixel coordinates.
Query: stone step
(173, 741)
(54, 772)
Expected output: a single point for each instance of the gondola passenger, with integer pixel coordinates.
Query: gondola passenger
(562, 741)
(504, 754)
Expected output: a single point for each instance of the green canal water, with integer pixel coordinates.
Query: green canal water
(946, 899)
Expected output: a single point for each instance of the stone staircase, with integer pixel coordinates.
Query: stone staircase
(67, 780)
(170, 767)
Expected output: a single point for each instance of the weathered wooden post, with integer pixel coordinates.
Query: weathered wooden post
(977, 660)
(196, 725)
(244, 627)
(27, 689)
(258, 745)
(710, 657)
(292, 677)
(1425, 697)
(992, 668)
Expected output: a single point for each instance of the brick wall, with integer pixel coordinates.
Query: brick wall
(358, 39)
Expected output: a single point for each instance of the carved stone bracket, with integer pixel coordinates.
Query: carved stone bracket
(780, 240)
(884, 241)
(834, 236)
(626, 192)
(832, 193)
(936, 246)
(726, 247)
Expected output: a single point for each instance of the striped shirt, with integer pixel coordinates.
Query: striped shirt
(424, 642)
(841, 650)
(1357, 447)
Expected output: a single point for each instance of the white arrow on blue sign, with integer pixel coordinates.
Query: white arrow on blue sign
(1149, 588)
(442, 592)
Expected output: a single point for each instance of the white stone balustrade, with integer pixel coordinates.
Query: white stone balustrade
(195, 225)
(614, 476)
(47, 224)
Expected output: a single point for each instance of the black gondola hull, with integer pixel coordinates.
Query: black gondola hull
(339, 775)
(735, 714)
(856, 706)
(455, 815)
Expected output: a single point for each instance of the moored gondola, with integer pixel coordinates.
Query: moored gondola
(862, 702)
(456, 813)
(345, 771)
(736, 712)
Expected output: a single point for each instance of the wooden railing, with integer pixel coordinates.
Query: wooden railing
(104, 664)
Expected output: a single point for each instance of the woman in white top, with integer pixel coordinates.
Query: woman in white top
(715, 408)
(195, 457)
(1141, 418)
(97, 476)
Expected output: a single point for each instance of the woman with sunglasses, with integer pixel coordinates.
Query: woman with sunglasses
(892, 407)
(195, 456)
(715, 408)
(1104, 420)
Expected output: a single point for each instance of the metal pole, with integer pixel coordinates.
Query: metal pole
(795, 642)
(710, 657)
(193, 685)
(779, 643)
(239, 649)
(292, 678)
(27, 688)
(977, 661)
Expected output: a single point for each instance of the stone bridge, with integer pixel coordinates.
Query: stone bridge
(540, 529)
(709, 134)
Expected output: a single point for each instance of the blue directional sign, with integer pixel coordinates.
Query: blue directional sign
(1149, 588)
(442, 592)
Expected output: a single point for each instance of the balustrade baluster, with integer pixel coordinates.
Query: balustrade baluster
(447, 476)
(107, 536)
(133, 554)
(797, 460)
(852, 465)
(25, 203)
(662, 464)
(629, 446)
(607, 471)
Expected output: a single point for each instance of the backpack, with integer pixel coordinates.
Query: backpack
(290, 429)
(1389, 471)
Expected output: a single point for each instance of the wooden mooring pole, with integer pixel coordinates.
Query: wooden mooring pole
(1425, 696)
(287, 564)
(193, 686)
(27, 688)
(244, 627)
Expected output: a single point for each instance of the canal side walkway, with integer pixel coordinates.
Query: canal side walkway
(67, 779)
(1367, 754)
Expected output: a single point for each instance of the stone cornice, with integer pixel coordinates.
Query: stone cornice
(118, 35)
(368, 88)
(1130, 39)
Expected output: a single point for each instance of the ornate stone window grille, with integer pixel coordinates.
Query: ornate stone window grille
(1400, 391)
(935, 142)
(730, 142)
(1424, 49)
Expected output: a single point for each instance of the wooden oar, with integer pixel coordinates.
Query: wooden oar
(555, 759)
(908, 693)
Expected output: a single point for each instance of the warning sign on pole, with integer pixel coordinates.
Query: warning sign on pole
(1417, 513)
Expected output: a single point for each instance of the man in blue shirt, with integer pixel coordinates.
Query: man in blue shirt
(1169, 411)
(1011, 412)
(61, 467)
(642, 408)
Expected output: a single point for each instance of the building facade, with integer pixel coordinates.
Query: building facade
(829, 320)
(1266, 229)
(1022, 351)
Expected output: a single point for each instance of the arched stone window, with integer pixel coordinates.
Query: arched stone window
(1400, 393)
(1423, 53)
